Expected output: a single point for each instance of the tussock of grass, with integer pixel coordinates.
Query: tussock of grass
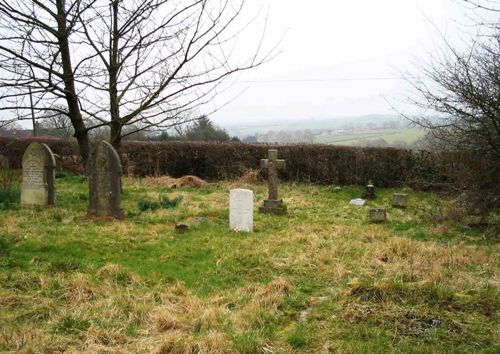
(321, 279)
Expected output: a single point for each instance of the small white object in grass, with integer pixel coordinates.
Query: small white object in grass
(357, 201)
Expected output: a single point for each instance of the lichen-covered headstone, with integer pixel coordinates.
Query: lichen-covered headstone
(104, 170)
(38, 184)
(241, 210)
(377, 215)
(400, 200)
(273, 204)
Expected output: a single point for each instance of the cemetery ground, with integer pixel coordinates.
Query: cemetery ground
(320, 279)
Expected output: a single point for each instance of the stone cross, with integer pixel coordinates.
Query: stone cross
(104, 170)
(38, 184)
(241, 210)
(272, 164)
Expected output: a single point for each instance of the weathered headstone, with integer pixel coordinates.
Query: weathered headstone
(273, 204)
(104, 170)
(369, 192)
(400, 200)
(377, 215)
(38, 184)
(241, 210)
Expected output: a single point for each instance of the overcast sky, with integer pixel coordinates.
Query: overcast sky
(339, 58)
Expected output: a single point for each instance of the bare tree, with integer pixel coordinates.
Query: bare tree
(120, 64)
(36, 55)
(460, 87)
(56, 123)
(158, 61)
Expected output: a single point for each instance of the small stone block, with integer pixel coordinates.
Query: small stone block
(400, 200)
(377, 215)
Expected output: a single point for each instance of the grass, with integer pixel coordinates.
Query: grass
(319, 280)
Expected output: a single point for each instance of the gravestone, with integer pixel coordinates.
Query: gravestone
(369, 192)
(377, 215)
(38, 183)
(400, 200)
(241, 210)
(273, 204)
(104, 171)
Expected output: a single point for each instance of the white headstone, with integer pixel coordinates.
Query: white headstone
(241, 210)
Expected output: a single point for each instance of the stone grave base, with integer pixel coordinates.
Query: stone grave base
(273, 207)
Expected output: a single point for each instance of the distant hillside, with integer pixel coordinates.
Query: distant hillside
(369, 130)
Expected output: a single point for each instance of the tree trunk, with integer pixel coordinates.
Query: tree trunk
(75, 115)
(116, 126)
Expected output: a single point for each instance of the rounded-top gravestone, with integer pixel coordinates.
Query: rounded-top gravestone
(104, 170)
(38, 184)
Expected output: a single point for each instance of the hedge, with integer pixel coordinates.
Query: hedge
(321, 164)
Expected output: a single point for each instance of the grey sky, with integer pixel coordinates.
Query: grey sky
(329, 49)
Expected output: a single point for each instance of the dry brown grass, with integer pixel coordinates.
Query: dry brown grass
(358, 268)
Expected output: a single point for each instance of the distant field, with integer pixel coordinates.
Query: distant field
(313, 124)
(407, 135)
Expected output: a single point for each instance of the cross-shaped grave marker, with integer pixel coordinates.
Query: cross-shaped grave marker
(272, 164)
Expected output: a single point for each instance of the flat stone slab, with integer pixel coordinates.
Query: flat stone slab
(357, 202)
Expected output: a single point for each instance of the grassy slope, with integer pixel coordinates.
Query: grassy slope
(411, 285)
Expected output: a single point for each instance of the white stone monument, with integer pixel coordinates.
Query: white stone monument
(241, 210)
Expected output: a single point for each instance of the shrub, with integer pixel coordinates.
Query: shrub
(61, 174)
(9, 197)
(314, 163)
